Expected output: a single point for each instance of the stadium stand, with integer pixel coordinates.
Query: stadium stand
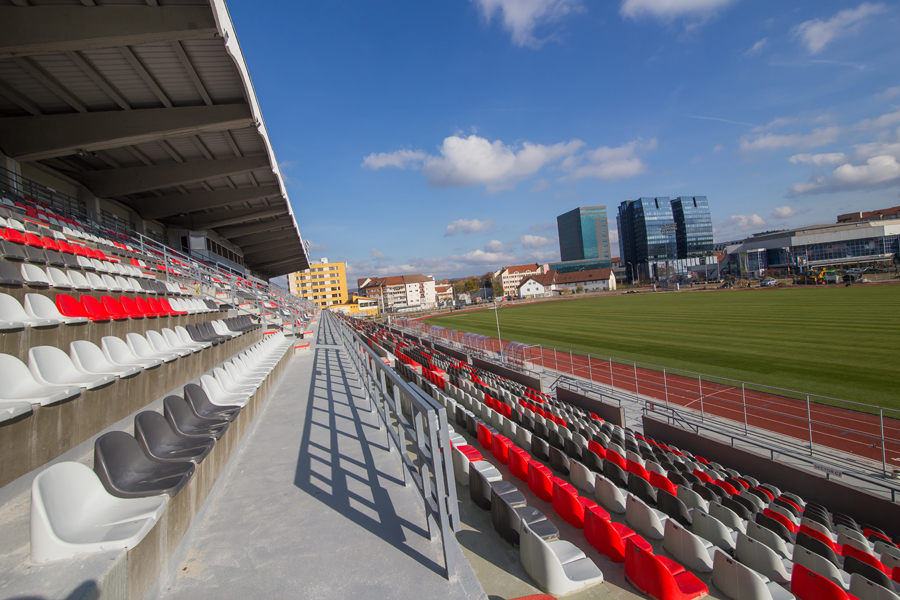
(756, 540)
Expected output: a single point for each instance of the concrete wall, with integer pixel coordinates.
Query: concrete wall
(834, 495)
(532, 382)
(31, 441)
(608, 412)
(454, 353)
(149, 560)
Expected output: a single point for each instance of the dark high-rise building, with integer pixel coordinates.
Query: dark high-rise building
(657, 231)
(583, 234)
(693, 226)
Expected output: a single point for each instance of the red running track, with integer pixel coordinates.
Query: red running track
(849, 431)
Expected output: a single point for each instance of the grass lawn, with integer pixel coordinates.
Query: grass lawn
(839, 342)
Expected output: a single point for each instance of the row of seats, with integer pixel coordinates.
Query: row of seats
(76, 510)
(686, 503)
(52, 376)
(39, 311)
(34, 276)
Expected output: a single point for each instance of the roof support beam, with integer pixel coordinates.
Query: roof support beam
(230, 232)
(121, 182)
(223, 218)
(175, 204)
(40, 137)
(249, 243)
(51, 29)
(273, 253)
(282, 266)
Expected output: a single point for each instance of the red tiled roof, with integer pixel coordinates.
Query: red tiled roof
(522, 268)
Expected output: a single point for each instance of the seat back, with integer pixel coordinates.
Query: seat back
(864, 589)
(761, 558)
(817, 546)
(817, 563)
(736, 580)
(639, 487)
(116, 456)
(808, 585)
(857, 565)
(89, 357)
(647, 573)
(712, 530)
(692, 499)
(581, 476)
(642, 518)
(768, 537)
(63, 493)
(728, 517)
(686, 548)
(673, 507)
(539, 561)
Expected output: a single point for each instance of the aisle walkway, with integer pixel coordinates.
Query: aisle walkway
(314, 505)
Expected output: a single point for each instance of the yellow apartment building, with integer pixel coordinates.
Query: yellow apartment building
(325, 283)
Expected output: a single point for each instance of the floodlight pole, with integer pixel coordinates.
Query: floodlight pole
(497, 318)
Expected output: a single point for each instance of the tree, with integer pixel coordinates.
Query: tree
(471, 286)
(579, 289)
(498, 287)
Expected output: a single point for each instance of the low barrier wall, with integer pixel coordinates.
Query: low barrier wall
(532, 382)
(608, 412)
(454, 353)
(836, 496)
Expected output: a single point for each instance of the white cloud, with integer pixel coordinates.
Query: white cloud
(476, 161)
(771, 141)
(480, 257)
(522, 17)
(889, 93)
(468, 226)
(535, 241)
(746, 222)
(543, 257)
(667, 10)
(317, 247)
(496, 246)
(885, 120)
(816, 34)
(718, 148)
(878, 172)
(831, 158)
(886, 148)
(757, 47)
(402, 159)
(783, 212)
(376, 254)
(610, 164)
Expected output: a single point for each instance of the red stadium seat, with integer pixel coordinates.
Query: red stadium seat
(568, 504)
(768, 494)
(79, 250)
(49, 244)
(661, 482)
(703, 476)
(156, 307)
(95, 309)
(131, 308)
(819, 536)
(70, 306)
(145, 308)
(597, 449)
(636, 469)
(660, 577)
(613, 456)
(500, 448)
(115, 310)
(806, 585)
(726, 486)
(14, 236)
(484, 437)
(783, 520)
(608, 538)
(865, 557)
(518, 463)
(64, 247)
(540, 481)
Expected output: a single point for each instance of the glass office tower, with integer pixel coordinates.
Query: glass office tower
(583, 234)
(647, 230)
(693, 226)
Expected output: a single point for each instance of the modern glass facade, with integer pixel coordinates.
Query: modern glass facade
(693, 226)
(580, 265)
(583, 234)
(647, 230)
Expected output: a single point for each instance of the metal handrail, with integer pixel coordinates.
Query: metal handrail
(421, 442)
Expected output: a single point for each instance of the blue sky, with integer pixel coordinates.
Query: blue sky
(445, 137)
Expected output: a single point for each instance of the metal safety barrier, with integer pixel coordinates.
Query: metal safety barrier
(416, 428)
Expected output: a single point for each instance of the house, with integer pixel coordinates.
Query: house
(512, 276)
(542, 286)
(443, 294)
(399, 291)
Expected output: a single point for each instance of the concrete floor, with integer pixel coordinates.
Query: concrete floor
(314, 505)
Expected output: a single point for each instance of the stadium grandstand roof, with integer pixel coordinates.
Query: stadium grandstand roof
(149, 104)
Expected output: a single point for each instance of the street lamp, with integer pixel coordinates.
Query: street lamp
(632, 273)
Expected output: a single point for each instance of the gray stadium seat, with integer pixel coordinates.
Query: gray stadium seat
(739, 582)
(126, 472)
(160, 442)
(557, 567)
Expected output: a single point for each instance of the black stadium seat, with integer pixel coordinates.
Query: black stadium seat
(183, 420)
(875, 575)
(159, 441)
(773, 525)
(559, 462)
(127, 472)
(205, 409)
(10, 275)
(11, 251)
(817, 546)
(615, 474)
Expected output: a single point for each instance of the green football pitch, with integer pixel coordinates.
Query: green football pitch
(841, 342)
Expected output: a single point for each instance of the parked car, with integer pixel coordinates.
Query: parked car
(768, 282)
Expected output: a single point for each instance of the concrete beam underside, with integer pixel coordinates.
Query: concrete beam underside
(174, 204)
(323, 509)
